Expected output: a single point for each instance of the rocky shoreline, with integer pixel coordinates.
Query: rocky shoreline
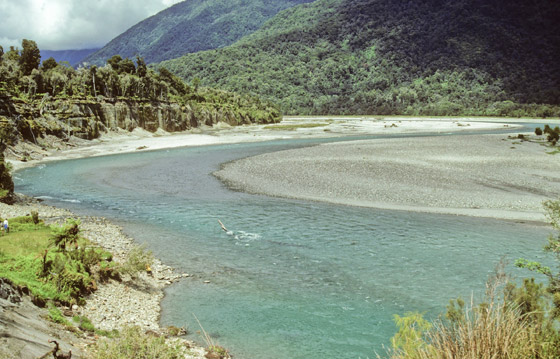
(115, 304)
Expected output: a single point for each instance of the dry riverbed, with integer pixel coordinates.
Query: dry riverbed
(478, 175)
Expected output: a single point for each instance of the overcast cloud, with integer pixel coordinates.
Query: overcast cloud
(71, 24)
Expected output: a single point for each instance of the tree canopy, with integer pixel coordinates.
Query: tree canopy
(430, 57)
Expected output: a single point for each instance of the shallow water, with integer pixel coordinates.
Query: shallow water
(291, 279)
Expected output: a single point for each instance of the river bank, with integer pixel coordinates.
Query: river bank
(114, 305)
(139, 141)
(119, 141)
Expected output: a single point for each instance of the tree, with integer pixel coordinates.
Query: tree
(12, 54)
(115, 62)
(30, 56)
(49, 63)
(127, 66)
(196, 83)
(141, 68)
(1, 53)
(65, 235)
(93, 71)
(6, 182)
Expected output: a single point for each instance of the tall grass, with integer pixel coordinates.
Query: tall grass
(134, 343)
(503, 326)
(491, 331)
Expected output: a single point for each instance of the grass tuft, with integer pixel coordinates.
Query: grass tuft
(293, 127)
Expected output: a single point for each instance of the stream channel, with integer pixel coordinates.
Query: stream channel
(293, 279)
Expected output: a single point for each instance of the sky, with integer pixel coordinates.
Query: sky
(71, 24)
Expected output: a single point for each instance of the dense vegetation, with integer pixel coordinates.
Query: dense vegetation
(522, 323)
(22, 78)
(191, 26)
(431, 57)
(54, 263)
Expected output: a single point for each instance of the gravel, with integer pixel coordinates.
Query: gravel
(477, 175)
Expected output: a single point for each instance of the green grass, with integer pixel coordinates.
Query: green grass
(20, 251)
(29, 259)
(132, 342)
(24, 241)
(23, 271)
(293, 127)
(84, 323)
(56, 316)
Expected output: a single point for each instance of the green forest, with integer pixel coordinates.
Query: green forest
(467, 57)
(191, 26)
(24, 78)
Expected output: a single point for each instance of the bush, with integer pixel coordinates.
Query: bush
(139, 259)
(133, 343)
(35, 217)
(491, 330)
(538, 131)
(217, 352)
(62, 236)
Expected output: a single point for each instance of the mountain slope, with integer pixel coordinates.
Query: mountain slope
(73, 57)
(191, 26)
(395, 56)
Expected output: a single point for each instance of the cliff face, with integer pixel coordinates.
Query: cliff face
(85, 118)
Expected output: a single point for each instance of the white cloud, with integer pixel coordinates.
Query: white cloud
(71, 24)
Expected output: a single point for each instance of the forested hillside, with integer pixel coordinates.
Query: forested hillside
(191, 26)
(465, 57)
(54, 99)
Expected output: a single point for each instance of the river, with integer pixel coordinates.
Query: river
(291, 279)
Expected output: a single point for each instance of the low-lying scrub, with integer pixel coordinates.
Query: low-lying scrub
(133, 343)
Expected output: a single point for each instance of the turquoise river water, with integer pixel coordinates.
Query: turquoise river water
(292, 279)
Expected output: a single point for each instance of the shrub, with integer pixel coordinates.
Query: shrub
(35, 217)
(174, 331)
(553, 137)
(492, 330)
(138, 259)
(133, 343)
(216, 352)
(65, 235)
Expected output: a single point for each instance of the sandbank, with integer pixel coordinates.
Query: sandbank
(496, 176)
(121, 141)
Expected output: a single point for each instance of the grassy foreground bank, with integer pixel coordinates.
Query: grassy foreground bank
(62, 269)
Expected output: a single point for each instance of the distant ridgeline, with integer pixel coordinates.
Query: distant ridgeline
(191, 26)
(73, 57)
(430, 57)
(58, 100)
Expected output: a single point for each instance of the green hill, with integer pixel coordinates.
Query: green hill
(434, 57)
(191, 26)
